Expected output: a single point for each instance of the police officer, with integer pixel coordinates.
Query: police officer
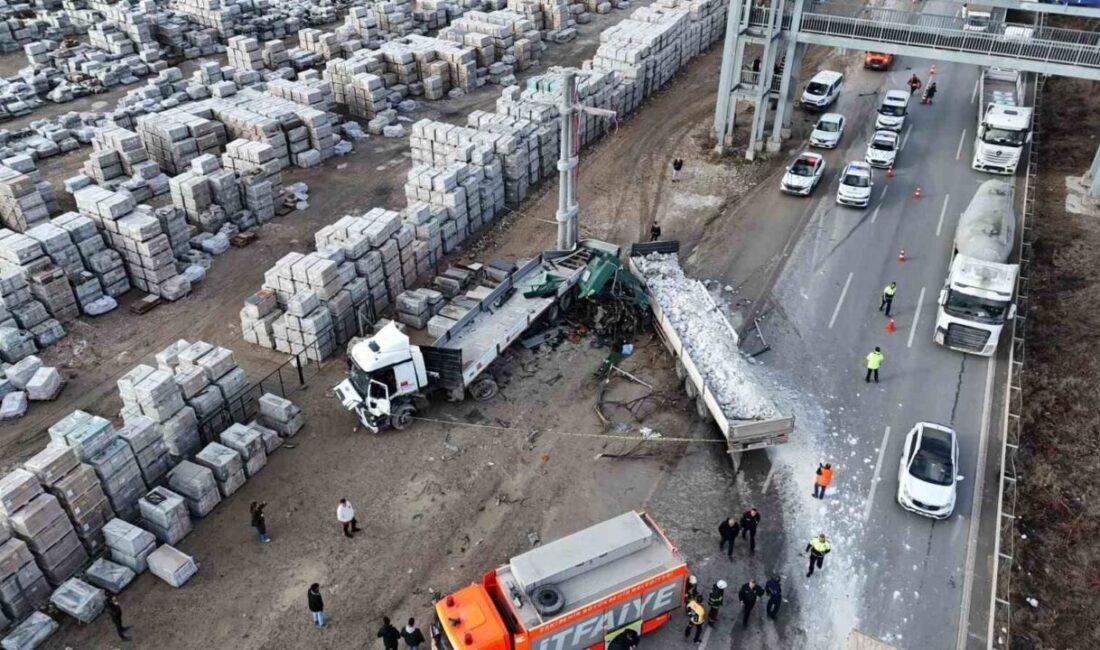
(728, 530)
(888, 297)
(715, 600)
(696, 617)
(874, 362)
(749, 521)
(750, 591)
(774, 589)
(818, 548)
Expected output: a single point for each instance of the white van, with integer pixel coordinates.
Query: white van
(892, 111)
(822, 90)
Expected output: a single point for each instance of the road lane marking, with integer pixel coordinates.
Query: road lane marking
(874, 215)
(768, 479)
(916, 318)
(874, 477)
(976, 507)
(706, 637)
(843, 292)
(962, 139)
(908, 130)
(943, 211)
(974, 95)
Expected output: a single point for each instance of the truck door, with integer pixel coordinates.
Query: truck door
(624, 638)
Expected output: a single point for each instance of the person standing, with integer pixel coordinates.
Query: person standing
(874, 362)
(414, 638)
(654, 231)
(749, 521)
(696, 617)
(822, 480)
(115, 611)
(259, 522)
(389, 634)
(692, 591)
(914, 84)
(715, 600)
(728, 530)
(931, 92)
(818, 547)
(316, 604)
(750, 591)
(774, 589)
(677, 165)
(345, 514)
(888, 297)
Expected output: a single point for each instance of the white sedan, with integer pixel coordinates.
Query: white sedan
(803, 176)
(828, 131)
(926, 473)
(882, 150)
(855, 185)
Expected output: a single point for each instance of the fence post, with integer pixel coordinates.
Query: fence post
(301, 375)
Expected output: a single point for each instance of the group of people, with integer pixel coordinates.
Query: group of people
(391, 635)
(749, 593)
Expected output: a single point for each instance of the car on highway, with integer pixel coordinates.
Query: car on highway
(828, 131)
(926, 473)
(892, 110)
(877, 60)
(882, 150)
(822, 90)
(803, 176)
(855, 185)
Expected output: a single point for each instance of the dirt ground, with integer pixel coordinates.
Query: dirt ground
(1059, 498)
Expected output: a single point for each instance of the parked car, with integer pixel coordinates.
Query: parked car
(822, 90)
(828, 131)
(927, 471)
(804, 175)
(892, 110)
(882, 150)
(855, 185)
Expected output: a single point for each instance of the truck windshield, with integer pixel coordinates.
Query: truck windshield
(1004, 137)
(360, 380)
(981, 21)
(976, 309)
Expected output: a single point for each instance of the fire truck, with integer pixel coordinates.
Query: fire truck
(601, 588)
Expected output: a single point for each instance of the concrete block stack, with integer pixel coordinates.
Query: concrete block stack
(381, 248)
(305, 327)
(429, 55)
(496, 36)
(175, 137)
(314, 94)
(416, 307)
(58, 245)
(324, 44)
(226, 466)
(257, 168)
(362, 21)
(25, 323)
(272, 438)
(245, 53)
(79, 599)
(42, 524)
(77, 489)
(121, 477)
(23, 588)
(155, 394)
(275, 55)
(22, 205)
(109, 576)
(394, 18)
(129, 545)
(196, 485)
(219, 16)
(32, 632)
(258, 317)
(24, 164)
(149, 449)
(108, 37)
(172, 566)
(37, 382)
(119, 159)
(51, 286)
(164, 513)
(357, 83)
(211, 375)
(249, 444)
(309, 133)
(104, 263)
(540, 138)
(206, 185)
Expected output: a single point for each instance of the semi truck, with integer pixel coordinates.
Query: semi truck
(1004, 123)
(602, 587)
(976, 298)
(390, 370)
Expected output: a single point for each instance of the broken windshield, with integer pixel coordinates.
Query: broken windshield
(973, 308)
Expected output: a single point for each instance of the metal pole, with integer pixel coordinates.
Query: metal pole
(567, 163)
(1093, 177)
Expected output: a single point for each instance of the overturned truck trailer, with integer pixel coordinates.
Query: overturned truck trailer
(708, 361)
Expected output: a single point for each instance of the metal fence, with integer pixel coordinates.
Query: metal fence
(999, 632)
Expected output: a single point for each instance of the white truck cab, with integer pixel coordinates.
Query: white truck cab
(382, 368)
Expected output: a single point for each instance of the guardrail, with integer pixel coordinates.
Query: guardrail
(999, 632)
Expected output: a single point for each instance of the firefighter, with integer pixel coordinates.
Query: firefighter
(715, 600)
(818, 548)
(696, 617)
(692, 591)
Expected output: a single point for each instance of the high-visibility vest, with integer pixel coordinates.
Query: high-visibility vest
(889, 291)
(820, 546)
(874, 360)
(825, 476)
(696, 613)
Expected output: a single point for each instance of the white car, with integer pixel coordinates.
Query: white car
(882, 150)
(926, 473)
(828, 131)
(892, 110)
(855, 185)
(822, 90)
(804, 175)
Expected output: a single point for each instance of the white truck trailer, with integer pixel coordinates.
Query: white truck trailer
(976, 298)
(1004, 123)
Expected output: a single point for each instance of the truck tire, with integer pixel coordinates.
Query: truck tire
(565, 301)
(483, 389)
(402, 416)
(701, 408)
(553, 312)
(689, 388)
(681, 371)
(548, 600)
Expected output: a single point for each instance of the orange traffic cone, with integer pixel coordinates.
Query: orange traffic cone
(932, 71)
(891, 327)
(890, 171)
(916, 194)
(924, 98)
(901, 256)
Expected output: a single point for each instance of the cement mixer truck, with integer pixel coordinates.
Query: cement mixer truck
(976, 298)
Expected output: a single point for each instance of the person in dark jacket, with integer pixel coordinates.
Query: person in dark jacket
(750, 591)
(414, 638)
(115, 611)
(389, 634)
(728, 530)
(655, 231)
(256, 509)
(714, 601)
(749, 520)
(677, 165)
(316, 604)
(774, 589)
(692, 591)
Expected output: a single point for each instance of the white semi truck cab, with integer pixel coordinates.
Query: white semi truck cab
(976, 298)
(1004, 123)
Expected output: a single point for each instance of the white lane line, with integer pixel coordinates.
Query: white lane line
(843, 292)
(883, 195)
(768, 480)
(959, 151)
(943, 211)
(908, 130)
(706, 637)
(916, 319)
(874, 477)
(974, 95)
(874, 215)
(976, 508)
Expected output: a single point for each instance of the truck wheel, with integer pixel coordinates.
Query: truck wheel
(402, 417)
(689, 388)
(484, 389)
(552, 314)
(701, 408)
(566, 300)
(681, 371)
(548, 600)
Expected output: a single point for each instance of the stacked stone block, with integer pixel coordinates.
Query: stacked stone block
(77, 489)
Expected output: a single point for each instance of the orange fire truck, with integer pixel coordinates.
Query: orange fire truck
(598, 589)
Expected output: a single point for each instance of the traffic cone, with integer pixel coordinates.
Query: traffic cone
(916, 194)
(924, 98)
(891, 326)
(901, 256)
(890, 171)
(932, 71)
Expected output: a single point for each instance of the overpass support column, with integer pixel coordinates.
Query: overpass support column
(788, 84)
(1093, 178)
(725, 110)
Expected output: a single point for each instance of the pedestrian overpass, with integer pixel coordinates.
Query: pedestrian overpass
(783, 29)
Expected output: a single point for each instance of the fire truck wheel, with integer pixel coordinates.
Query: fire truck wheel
(548, 600)
(401, 417)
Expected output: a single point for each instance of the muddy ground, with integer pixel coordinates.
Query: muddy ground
(1058, 564)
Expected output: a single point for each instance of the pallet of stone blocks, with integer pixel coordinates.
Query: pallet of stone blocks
(43, 525)
(149, 449)
(225, 464)
(172, 566)
(23, 588)
(129, 545)
(109, 576)
(39, 382)
(281, 415)
(249, 444)
(196, 485)
(104, 263)
(25, 323)
(30, 634)
(121, 477)
(22, 205)
(164, 513)
(155, 394)
(79, 599)
(77, 489)
(208, 375)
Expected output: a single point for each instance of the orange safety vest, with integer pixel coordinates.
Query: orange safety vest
(825, 477)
